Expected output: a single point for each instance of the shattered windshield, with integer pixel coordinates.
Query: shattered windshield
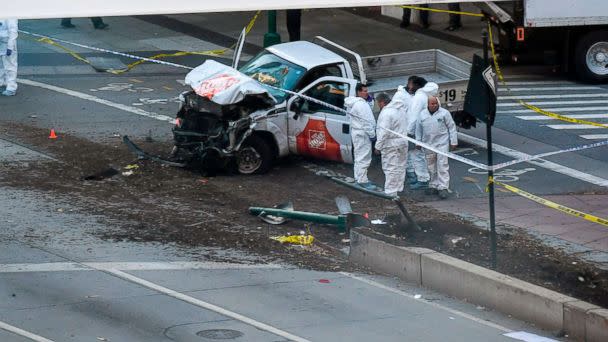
(273, 70)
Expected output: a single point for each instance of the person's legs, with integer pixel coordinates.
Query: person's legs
(455, 20)
(393, 160)
(431, 160)
(405, 18)
(424, 17)
(98, 23)
(420, 167)
(443, 173)
(362, 147)
(10, 73)
(294, 21)
(67, 23)
(2, 73)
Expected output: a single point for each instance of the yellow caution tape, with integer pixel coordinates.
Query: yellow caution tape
(553, 205)
(295, 239)
(471, 14)
(216, 52)
(527, 105)
(71, 52)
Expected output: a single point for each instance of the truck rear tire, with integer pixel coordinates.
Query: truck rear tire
(255, 156)
(591, 57)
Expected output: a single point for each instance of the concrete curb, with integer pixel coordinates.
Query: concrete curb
(545, 308)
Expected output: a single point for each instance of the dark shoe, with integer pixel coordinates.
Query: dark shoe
(419, 185)
(426, 25)
(443, 194)
(101, 26)
(431, 191)
(67, 25)
(404, 24)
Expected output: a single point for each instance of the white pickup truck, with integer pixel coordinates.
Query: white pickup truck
(254, 138)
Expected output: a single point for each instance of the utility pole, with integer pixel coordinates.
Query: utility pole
(493, 242)
(272, 37)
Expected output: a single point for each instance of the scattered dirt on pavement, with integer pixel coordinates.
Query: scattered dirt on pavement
(165, 204)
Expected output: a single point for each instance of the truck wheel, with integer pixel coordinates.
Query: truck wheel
(591, 57)
(255, 156)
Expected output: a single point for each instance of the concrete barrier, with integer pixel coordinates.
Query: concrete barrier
(545, 308)
(575, 318)
(596, 327)
(495, 290)
(403, 262)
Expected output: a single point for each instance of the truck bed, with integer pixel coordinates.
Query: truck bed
(386, 72)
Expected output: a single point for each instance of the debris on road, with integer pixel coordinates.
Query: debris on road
(295, 239)
(276, 219)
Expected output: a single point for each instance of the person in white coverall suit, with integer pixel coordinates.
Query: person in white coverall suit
(417, 105)
(392, 147)
(8, 56)
(436, 127)
(363, 130)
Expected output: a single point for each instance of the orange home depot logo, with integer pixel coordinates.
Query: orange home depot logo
(214, 85)
(316, 141)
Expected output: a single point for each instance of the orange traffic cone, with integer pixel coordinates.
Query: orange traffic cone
(53, 135)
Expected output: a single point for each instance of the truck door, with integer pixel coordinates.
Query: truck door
(319, 131)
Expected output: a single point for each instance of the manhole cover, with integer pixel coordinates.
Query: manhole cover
(220, 334)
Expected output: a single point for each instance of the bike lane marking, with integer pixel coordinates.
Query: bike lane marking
(96, 99)
(23, 333)
(564, 170)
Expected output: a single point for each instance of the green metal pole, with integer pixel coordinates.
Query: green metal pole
(339, 221)
(272, 37)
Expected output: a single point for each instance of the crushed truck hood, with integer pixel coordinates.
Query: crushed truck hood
(225, 85)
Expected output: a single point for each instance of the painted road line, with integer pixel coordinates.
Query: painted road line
(523, 83)
(23, 333)
(205, 305)
(573, 126)
(535, 89)
(573, 116)
(433, 304)
(554, 96)
(564, 170)
(96, 99)
(553, 103)
(559, 109)
(594, 136)
(129, 266)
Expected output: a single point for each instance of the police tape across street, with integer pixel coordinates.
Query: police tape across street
(342, 110)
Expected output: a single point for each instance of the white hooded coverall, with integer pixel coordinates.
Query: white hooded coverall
(439, 131)
(416, 160)
(392, 146)
(363, 128)
(8, 64)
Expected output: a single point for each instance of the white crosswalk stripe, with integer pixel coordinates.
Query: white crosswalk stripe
(594, 136)
(574, 116)
(571, 99)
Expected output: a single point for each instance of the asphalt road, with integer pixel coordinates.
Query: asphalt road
(70, 285)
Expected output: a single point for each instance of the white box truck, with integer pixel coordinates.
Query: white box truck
(569, 33)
